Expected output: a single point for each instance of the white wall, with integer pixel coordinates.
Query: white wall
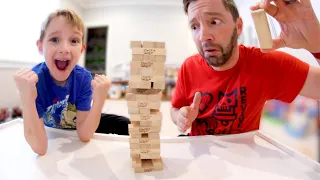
(145, 23)
(72, 5)
(20, 28)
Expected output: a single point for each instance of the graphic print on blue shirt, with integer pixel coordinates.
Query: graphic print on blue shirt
(58, 105)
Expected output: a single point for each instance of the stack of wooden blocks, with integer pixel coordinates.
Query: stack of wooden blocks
(144, 92)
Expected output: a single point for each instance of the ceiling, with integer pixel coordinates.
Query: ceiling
(88, 4)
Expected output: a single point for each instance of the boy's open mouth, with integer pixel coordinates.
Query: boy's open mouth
(61, 64)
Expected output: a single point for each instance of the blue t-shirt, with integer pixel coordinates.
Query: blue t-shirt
(57, 105)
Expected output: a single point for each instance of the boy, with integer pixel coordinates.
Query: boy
(58, 93)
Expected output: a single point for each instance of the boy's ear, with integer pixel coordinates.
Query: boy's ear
(40, 48)
(84, 46)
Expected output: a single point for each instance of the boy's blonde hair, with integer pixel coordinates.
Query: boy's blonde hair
(71, 17)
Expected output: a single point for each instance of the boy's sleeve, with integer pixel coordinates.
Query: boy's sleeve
(83, 102)
(179, 96)
(286, 76)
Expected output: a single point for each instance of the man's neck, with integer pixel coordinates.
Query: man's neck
(232, 61)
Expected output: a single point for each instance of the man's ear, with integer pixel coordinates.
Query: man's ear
(239, 25)
(40, 47)
(84, 46)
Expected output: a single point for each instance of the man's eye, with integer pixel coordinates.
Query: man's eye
(54, 39)
(216, 21)
(193, 27)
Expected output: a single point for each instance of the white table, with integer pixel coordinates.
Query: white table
(244, 156)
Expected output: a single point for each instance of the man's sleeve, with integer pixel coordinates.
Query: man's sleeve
(179, 95)
(83, 102)
(286, 76)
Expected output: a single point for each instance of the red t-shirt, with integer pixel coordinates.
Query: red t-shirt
(233, 100)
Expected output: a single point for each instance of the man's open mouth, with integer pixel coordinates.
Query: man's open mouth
(61, 64)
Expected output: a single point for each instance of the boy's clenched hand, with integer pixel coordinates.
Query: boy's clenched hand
(26, 81)
(100, 85)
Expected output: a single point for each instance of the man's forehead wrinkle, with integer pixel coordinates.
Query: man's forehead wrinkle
(199, 5)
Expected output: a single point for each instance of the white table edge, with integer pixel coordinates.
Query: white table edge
(169, 139)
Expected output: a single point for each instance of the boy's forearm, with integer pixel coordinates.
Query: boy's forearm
(34, 130)
(91, 123)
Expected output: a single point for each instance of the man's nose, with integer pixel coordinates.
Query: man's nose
(205, 34)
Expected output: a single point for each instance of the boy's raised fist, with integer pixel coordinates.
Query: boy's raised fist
(26, 81)
(100, 85)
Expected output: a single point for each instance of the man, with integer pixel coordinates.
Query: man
(223, 89)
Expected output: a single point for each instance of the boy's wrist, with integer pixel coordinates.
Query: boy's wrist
(98, 104)
(27, 101)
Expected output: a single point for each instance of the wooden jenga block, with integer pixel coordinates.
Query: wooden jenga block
(149, 51)
(132, 110)
(150, 156)
(136, 163)
(142, 91)
(140, 84)
(145, 140)
(160, 45)
(149, 165)
(147, 82)
(143, 135)
(144, 97)
(262, 28)
(160, 58)
(149, 58)
(147, 123)
(144, 151)
(145, 111)
(133, 129)
(144, 146)
(135, 44)
(145, 68)
(146, 117)
(137, 57)
(144, 104)
(140, 78)
(148, 44)
(159, 85)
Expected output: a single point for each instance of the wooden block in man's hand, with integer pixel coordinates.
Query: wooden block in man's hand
(262, 28)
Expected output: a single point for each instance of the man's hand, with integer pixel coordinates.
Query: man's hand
(188, 114)
(100, 85)
(26, 81)
(300, 27)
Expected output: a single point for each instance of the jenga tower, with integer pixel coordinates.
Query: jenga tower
(147, 79)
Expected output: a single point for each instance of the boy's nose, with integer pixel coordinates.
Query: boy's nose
(64, 48)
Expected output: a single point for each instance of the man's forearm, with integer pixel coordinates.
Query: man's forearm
(34, 130)
(89, 126)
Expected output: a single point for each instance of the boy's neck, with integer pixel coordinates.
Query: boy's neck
(60, 83)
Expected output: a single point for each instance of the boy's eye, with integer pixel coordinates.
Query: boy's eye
(75, 41)
(216, 21)
(54, 39)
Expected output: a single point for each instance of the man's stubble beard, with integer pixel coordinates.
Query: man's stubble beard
(218, 61)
